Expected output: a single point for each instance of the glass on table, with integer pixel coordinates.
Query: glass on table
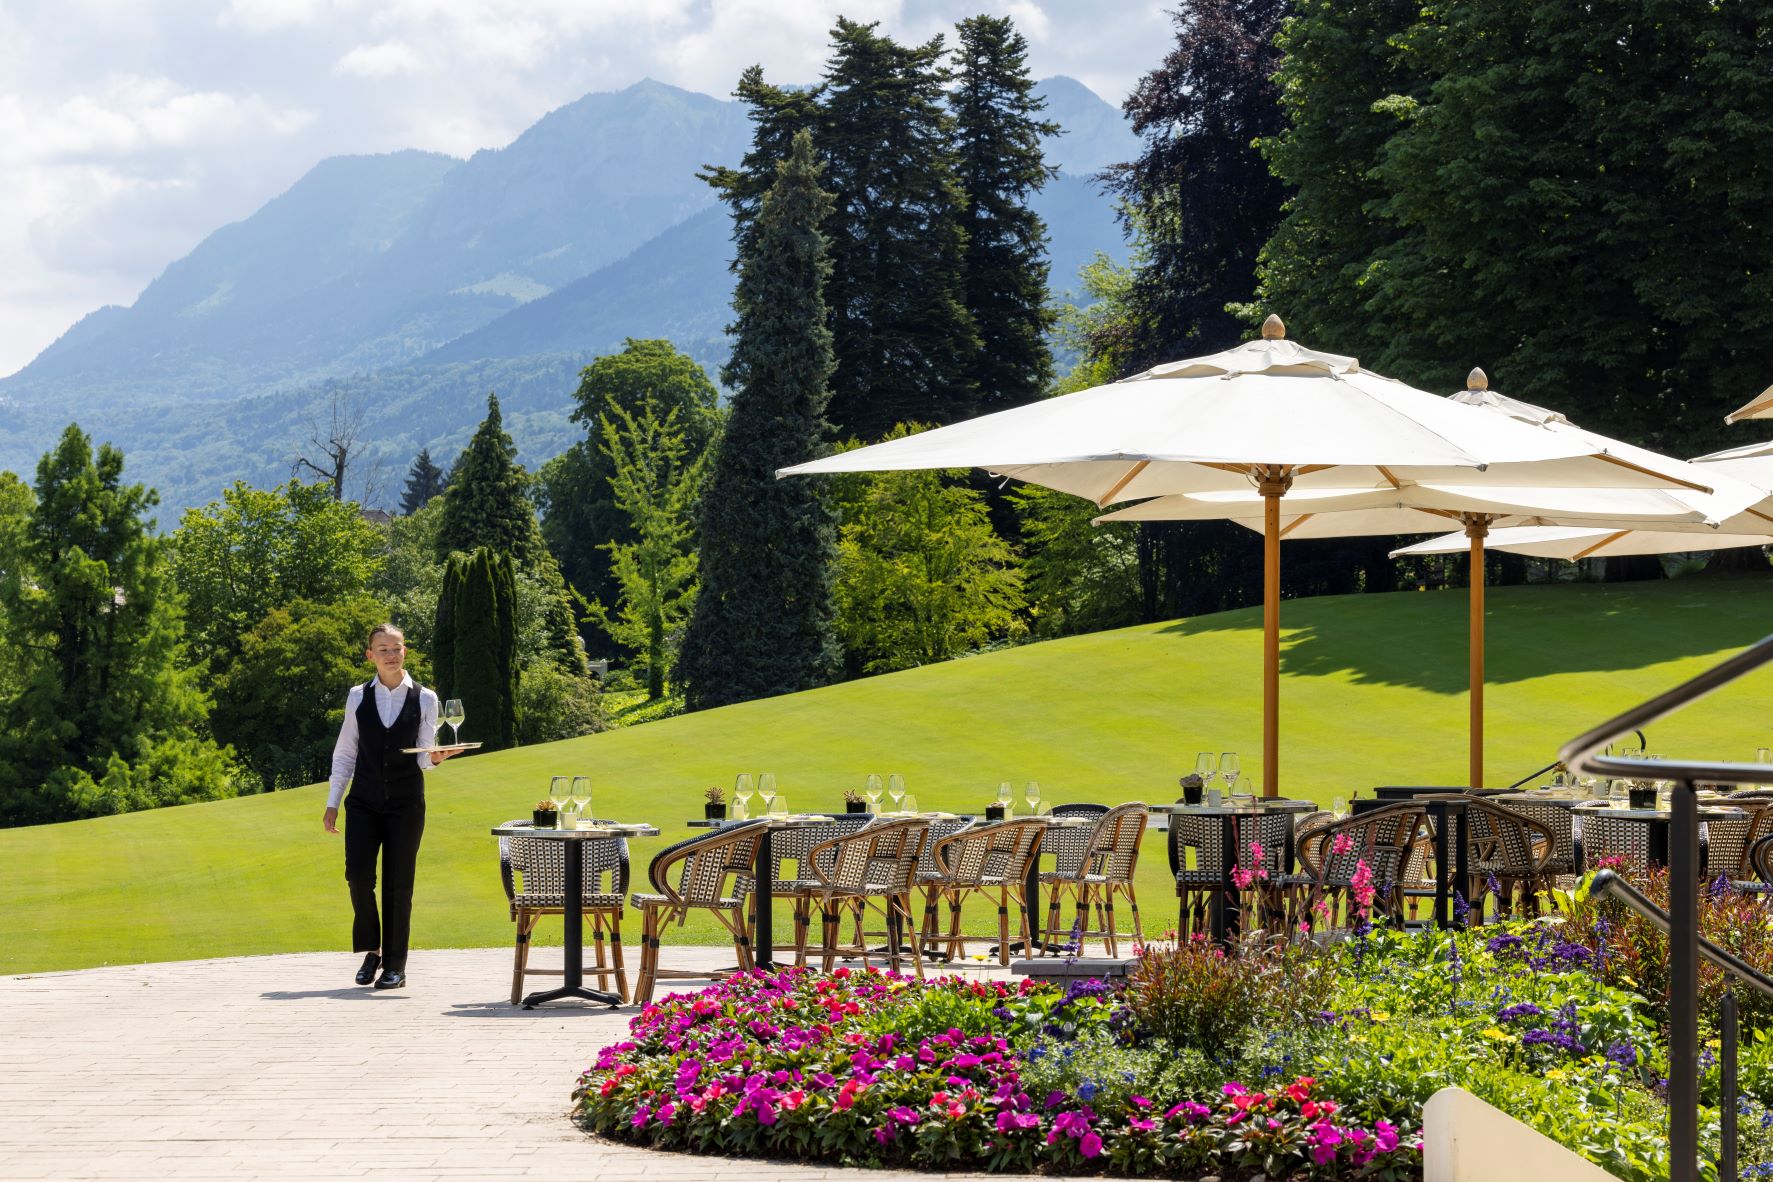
(742, 791)
(1031, 793)
(910, 804)
(766, 788)
(1228, 768)
(896, 790)
(1205, 766)
(1005, 795)
(581, 794)
(778, 806)
(561, 795)
(1242, 793)
(1339, 808)
(872, 791)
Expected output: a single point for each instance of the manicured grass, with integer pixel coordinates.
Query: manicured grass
(1373, 692)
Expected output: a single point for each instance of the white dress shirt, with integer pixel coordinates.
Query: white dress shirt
(388, 704)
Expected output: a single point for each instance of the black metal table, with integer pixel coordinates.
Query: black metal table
(1658, 822)
(573, 902)
(1225, 910)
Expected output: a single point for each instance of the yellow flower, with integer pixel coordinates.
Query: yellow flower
(1498, 1034)
(1713, 1043)
(1379, 1015)
(1557, 1073)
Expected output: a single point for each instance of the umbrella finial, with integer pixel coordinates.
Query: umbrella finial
(1477, 379)
(1273, 329)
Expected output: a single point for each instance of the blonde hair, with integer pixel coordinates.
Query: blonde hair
(384, 630)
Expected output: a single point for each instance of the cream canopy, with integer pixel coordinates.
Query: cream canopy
(1270, 415)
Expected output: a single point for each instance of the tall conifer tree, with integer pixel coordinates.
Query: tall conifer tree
(423, 482)
(998, 133)
(488, 502)
(752, 636)
(477, 635)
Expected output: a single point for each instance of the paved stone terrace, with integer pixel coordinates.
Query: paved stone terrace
(279, 1067)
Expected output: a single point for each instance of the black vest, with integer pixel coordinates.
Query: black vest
(384, 776)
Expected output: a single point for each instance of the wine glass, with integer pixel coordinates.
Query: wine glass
(896, 790)
(910, 804)
(1228, 768)
(742, 789)
(766, 788)
(561, 796)
(581, 791)
(1005, 794)
(1339, 808)
(872, 792)
(452, 714)
(1204, 767)
(1031, 793)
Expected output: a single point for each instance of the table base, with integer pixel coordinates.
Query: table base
(579, 991)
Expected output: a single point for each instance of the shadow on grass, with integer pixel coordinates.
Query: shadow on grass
(1420, 639)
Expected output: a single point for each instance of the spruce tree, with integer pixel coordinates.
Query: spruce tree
(752, 637)
(477, 634)
(902, 337)
(488, 502)
(998, 132)
(423, 482)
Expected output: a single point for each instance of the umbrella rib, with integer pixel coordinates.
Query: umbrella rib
(1640, 469)
(1604, 542)
(1296, 523)
(1114, 489)
(1749, 411)
(1386, 472)
(1757, 513)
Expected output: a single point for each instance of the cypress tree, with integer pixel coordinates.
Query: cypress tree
(903, 339)
(752, 637)
(423, 482)
(489, 503)
(1000, 164)
(478, 632)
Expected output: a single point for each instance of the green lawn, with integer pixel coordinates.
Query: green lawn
(1372, 693)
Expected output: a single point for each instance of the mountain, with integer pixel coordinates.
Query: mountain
(374, 261)
(413, 283)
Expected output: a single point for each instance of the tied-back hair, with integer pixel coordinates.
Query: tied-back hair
(384, 630)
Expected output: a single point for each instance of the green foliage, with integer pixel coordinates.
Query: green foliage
(999, 163)
(553, 704)
(86, 608)
(236, 559)
(1617, 153)
(488, 502)
(281, 700)
(423, 483)
(1080, 577)
(655, 481)
(476, 642)
(580, 513)
(1192, 995)
(922, 576)
(750, 636)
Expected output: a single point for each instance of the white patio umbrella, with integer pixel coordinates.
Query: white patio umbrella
(1753, 526)
(1414, 506)
(1761, 407)
(1268, 414)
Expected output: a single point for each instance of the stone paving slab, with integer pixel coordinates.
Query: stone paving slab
(277, 1067)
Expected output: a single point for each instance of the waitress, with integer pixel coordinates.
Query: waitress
(385, 813)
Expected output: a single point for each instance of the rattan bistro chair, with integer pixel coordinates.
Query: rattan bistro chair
(796, 845)
(874, 870)
(1195, 885)
(1110, 856)
(981, 860)
(533, 872)
(1381, 837)
(704, 866)
(1728, 841)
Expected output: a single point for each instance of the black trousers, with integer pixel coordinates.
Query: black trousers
(394, 832)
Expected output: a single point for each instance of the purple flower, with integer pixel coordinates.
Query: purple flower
(1525, 1009)
(1623, 1054)
(1010, 1121)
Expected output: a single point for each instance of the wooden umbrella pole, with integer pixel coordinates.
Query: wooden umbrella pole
(1477, 527)
(1273, 483)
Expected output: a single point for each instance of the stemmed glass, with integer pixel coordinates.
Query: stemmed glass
(1339, 808)
(1005, 794)
(562, 798)
(896, 790)
(452, 714)
(766, 788)
(742, 793)
(581, 792)
(1031, 794)
(872, 792)
(1204, 767)
(1228, 769)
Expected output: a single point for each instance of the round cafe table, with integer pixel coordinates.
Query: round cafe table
(573, 901)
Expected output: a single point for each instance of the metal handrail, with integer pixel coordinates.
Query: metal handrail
(1607, 882)
(1580, 755)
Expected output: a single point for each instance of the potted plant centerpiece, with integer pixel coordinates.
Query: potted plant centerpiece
(854, 801)
(1192, 784)
(715, 808)
(545, 816)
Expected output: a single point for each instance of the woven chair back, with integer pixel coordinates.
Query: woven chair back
(796, 845)
(881, 859)
(1113, 850)
(539, 865)
(1069, 845)
(1615, 837)
(940, 830)
(1728, 841)
(704, 863)
(1559, 822)
(997, 852)
(1513, 839)
(1380, 837)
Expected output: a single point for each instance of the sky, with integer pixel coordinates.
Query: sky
(131, 129)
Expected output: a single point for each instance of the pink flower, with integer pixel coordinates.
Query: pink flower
(1143, 1125)
(1010, 1121)
(1090, 1146)
(1342, 844)
(1385, 1135)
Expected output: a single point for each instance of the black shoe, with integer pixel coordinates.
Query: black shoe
(367, 973)
(392, 979)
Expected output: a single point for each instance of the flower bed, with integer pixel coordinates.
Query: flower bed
(1296, 1062)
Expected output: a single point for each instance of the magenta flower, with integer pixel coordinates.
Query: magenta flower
(1090, 1146)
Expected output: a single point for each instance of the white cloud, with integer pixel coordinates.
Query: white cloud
(129, 129)
(387, 60)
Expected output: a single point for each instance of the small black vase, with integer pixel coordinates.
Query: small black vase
(1642, 798)
(1191, 793)
(715, 812)
(544, 820)
(994, 812)
(855, 806)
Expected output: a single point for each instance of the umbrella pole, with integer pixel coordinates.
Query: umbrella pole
(1272, 484)
(1477, 527)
